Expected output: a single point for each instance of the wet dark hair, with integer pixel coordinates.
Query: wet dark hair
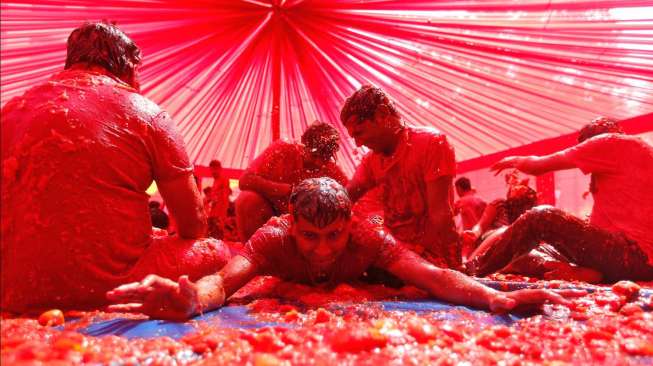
(364, 102)
(599, 126)
(520, 199)
(159, 218)
(103, 44)
(464, 184)
(320, 201)
(206, 190)
(215, 163)
(322, 138)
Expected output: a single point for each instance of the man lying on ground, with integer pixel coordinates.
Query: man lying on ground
(317, 243)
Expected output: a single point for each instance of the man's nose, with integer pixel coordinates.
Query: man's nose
(323, 249)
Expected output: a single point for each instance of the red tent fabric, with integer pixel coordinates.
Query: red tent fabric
(492, 75)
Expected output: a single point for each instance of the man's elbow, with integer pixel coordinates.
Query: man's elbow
(245, 183)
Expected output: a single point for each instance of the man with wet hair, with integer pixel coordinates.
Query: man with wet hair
(618, 239)
(317, 243)
(268, 181)
(469, 206)
(414, 166)
(78, 153)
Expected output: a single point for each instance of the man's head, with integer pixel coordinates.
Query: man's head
(207, 191)
(103, 44)
(322, 141)
(321, 218)
(216, 168)
(599, 126)
(519, 199)
(463, 185)
(371, 118)
(154, 204)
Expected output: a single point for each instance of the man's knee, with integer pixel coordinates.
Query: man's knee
(540, 211)
(249, 202)
(252, 211)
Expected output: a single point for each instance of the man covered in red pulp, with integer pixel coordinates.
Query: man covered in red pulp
(78, 153)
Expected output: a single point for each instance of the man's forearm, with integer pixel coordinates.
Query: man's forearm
(455, 287)
(538, 165)
(443, 284)
(265, 187)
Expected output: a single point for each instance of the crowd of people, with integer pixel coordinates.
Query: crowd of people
(80, 150)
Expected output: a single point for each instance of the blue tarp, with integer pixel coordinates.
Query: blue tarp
(239, 317)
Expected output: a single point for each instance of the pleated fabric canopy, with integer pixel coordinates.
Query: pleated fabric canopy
(236, 75)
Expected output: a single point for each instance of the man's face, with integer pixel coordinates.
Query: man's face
(321, 247)
(368, 133)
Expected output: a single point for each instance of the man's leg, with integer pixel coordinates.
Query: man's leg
(172, 257)
(611, 254)
(252, 212)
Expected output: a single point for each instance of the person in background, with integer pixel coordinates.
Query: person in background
(469, 206)
(317, 243)
(159, 218)
(414, 166)
(618, 239)
(268, 181)
(78, 153)
(207, 202)
(219, 200)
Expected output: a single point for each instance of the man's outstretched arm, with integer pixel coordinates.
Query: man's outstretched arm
(535, 165)
(458, 288)
(163, 298)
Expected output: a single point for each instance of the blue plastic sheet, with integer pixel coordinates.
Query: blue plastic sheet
(239, 317)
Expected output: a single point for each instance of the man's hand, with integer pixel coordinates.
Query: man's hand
(511, 162)
(506, 301)
(157, 297)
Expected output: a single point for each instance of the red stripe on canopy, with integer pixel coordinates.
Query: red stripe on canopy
(492, 75)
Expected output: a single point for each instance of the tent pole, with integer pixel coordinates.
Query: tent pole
(276, 75)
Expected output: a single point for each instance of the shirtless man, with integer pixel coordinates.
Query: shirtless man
(78, 153)
(316, 243)
(618, 239)
(268, 181)
(414, 166)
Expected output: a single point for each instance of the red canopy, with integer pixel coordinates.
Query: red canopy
(492, 75)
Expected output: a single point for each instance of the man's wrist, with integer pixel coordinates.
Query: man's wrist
(210, 294)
